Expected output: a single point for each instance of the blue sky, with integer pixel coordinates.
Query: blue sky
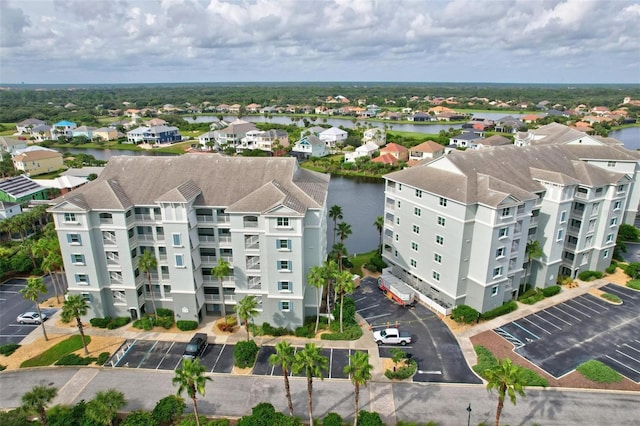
(150, 41)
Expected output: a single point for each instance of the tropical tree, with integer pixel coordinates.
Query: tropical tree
(43, 249)
(379, 224)
(532, 251)
(284, 357)
(103, 408)
(330, 271)
(32, 291)
(344, 284)
(146, 264)
(190, 378)
(344, 230)
(507, 378)
(75, 307)
(310, 361)
(37, 399)
(335, 213)
(247, 310)
(315, 278)
(338, 251)
(221, 270)
(359, 371)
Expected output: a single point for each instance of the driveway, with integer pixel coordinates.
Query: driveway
(13, 304)
(434, 347)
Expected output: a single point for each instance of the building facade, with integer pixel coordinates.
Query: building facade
(457, 228)
(266, 217)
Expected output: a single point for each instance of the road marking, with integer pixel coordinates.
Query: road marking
(527, 331)
(581, 304)
(395, 346)
(359, 300)
(368, 307)
(628, 356)
(217, 358)
(7, 291)
(631, 347)
(22, 325)
(330, 361)
(537, 314)
(377, 316)
(165, 355)
(557, 317)
(577, 310)
(429, 372)
(535, 325)
(13, 335)
(615, 290)
(622, 364)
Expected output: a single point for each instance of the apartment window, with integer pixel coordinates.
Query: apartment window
(284, 265)
(614, 221)
(82, 279)
(500, 252)
(494, 290)
(414, 246)
(283, 244)
(397, 237)
(596, 207)
(616, 205)
(437, 258)
(418, 193)
(436, 275)
(497, 271)
(285, 286)
(560, 234)
(74, 239)
(86, 297)
(285, 306)
(179, 261)
(416, 229)
(397, 221)
(119, 297)
(441, 221)
(77, 259)
(395, 253)
(611, 164)
(69, 217)
(417, 211)
(177, 240)
(282, 222)
(398, 204)
(620, 189)
(414, 263)
(605, 254)
(506, 212)
(439, 240)
(443, 202)
(609, 238)
(563, 217)
(400, 187)
(503, 232)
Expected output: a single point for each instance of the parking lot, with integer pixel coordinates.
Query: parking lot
(434, 347)
(13, 304)
(560, 338)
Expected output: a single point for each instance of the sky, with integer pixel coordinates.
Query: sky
(157, 41)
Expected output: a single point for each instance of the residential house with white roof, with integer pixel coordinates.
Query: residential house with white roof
(310, 146)
(266, 217)
(333, 136)
(375, 135)
(365, 150)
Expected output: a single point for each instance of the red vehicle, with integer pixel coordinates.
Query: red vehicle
(396, 290)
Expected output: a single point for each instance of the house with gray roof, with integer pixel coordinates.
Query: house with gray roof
(9, 209)
(456, 228)
(310, 146)
(265, 217)
(25, 126)
(232, 134)
(11, 145)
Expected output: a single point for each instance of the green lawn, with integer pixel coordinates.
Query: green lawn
(360, 260)
(599, 372)
(55, 352)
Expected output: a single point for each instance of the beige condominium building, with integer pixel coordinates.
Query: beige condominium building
(457, 228)
(266, 217)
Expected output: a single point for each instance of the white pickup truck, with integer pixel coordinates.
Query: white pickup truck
(391, 336)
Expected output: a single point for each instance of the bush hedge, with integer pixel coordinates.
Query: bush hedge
(244, 353)
(186, 325)
(611, 269)
(404, 371)
(564, 280)
(464, 314)
(264, 414)
(375, 264)
(332, 419)
(74, 359)
(551, 291)
(535, 297)
(110, 323)
(102, 358)
(169, 409)
(350, 332)
(164, 312)
(634, 284)
(510, 306)
(8, 349)
(369, 418)
(590, 275)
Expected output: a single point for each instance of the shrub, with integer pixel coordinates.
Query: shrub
(3, 367)
(464, 314)
(264, 414)
(632, 270)
(145, 323)
(367, 418)
(270, 330)
(8, 349)
(536, 297)
(564, 280)
(109, 322)
(164, 312)
(598, 372)
(73, 359)
(100, 322)
(375, 264)
(531, 378)
(102, 358)
(510, 306)
(244, 353)
(611, 297)
(186, 325)
(590, 275)
(16, 417)
(351, 332)
(218, 422)
(634, 284)
(348, 313)
(165, 322)
(486, 360)
(611, 269)
(139, 418)
(305, 331)
(332, 419)
(190, 420)
(229, 322)
(408, 369)
(551, 291)
(118, 322)
(168, 409)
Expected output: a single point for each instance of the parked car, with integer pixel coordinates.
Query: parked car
(31, 318)
(391, 336)
(196, 346)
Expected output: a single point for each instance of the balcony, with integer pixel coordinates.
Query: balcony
(106, 221)
(252, 242)
(253, 264)
(113, 260)
(223, 218)
(207, 238)
(145, 237)
(162, 257)
(224, 238)
(249, 223)
(109, 241)
(144, 218)
(208, 259)
(212, 297)
(205, 218)
(254, 283)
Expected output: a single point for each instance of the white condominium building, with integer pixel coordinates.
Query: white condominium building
(457, 228)
(265, 216)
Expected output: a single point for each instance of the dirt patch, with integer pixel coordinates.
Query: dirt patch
(242, 371)
(52, 303)
(502, 349)
(618, 277)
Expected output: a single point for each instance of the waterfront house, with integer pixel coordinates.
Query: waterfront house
(375, 135)
(62, 128)
(333, 136)
(310, 146)
(154, 135)
(398, 151)
(365, 150)
(36, 162)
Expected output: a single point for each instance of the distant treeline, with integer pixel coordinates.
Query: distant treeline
(48, 102)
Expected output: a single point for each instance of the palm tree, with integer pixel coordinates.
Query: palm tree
(338, 251)
(359, 371)
(506, 377)
(335, 213)
(103, 408)
(344, 230)
(532, 251)
(379, 224)
(310, 361)
(246, 309)
(330, 270)
(146, 264)
(284, 357)
(315, 278)
(190, 378)
(344, 284)
(34, 288)
(37, 400)
(221, 270)
(75, 307)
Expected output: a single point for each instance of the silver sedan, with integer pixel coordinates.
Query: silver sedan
(31, 318)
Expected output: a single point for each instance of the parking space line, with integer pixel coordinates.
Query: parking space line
(368, 307)
(7, 291)
(536, 325)
(537, 314)
(361, 299)
(377, 316)
(591, 309)
(218, 358)
(623, 364)
(330, 362)
(557, 317)
(567, 313)
(577, 310)
(628, 356)
(611, 289)
(631, 347)
(144, 358)
(165, 355)
(524, 329)
(13, 335)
